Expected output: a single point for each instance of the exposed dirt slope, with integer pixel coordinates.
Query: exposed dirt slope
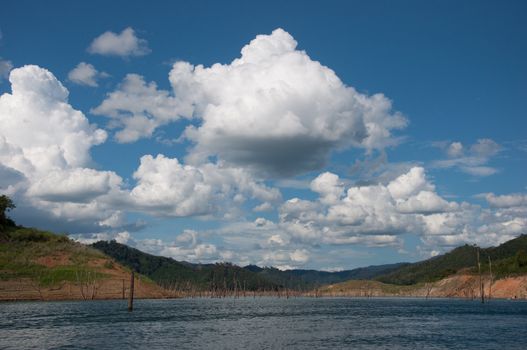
(62, 269)
(456, 286)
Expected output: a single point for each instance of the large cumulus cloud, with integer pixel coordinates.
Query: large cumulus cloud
(273, 109)
(276, 109)
(38, 125)
(45, 147)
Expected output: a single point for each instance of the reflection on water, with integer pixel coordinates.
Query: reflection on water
(265, 323)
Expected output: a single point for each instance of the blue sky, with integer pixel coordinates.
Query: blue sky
(344, 134)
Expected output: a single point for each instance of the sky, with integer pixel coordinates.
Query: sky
(300, 134)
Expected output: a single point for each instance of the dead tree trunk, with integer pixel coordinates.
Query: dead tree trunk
(491, 280)
(37, 285)
(131, 295)
(428, 289)
(80, 283)
(481, 291)
(235, 286)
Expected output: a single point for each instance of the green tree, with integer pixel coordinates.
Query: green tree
(6, 204)
(521, 259)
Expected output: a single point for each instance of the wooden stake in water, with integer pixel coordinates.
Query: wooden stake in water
(491, 279)
(131, 295)
(481, 291)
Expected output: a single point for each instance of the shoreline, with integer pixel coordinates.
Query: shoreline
(456, 287)
(401, 297)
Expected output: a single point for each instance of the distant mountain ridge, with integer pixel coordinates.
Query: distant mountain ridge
(183, 275)
(313, 278)
(167, 271)
(507, 259)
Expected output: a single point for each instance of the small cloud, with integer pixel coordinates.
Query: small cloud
(276, 240)
(471, 159)
(260, 222)
(300, 256)
(5, 68)
(479, 170)
(455, 149)
(504, 201)
(485, 148)
(124, 44)
(123, 237)
(85, 74)
(266, 206)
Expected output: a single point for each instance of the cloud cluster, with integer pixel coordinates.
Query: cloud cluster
(378, 214)
(167, 187)
(138, 108)
(472, 159)
(45, 159)
(244, 242)
(373, 214)
(273, 109)
(187, 246)
(506, 201)
(123, 44)
(85, 74)
(44, 147)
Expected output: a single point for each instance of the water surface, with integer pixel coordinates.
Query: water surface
(265, 323)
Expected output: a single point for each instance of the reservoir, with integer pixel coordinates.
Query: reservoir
(265, 323)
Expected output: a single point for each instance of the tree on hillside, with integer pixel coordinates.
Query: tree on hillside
(6, 204)
(520, 259)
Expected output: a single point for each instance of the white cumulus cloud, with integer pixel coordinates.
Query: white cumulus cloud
(39, 129)
(273, 109)
(85, 74)
(138, 108)
(506, 201)
(277, 110)
(167, 187)
(47, 142)
(123, 44)
(377, 214)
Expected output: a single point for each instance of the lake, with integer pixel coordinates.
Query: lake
(265, 323)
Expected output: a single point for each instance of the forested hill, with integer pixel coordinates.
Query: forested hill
(508, 259)
(169, 272)
(314, 278)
